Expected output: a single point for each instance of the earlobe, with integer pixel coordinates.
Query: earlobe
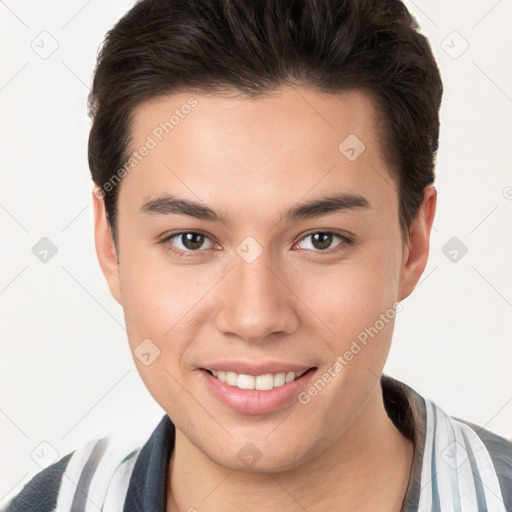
(105, 247)
(418, 245)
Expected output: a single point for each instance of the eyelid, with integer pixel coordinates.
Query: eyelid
(186, 232)
(345, 239)
(342, 234)
(167, 238)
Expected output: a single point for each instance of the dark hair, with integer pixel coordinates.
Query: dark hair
(254, 47)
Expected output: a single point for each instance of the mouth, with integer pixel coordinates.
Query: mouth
(265, 382)
(256, 387)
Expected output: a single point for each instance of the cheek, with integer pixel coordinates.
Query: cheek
(350, 297)
(357, 302)
(355, 305)
(158, 306)
(168, 305)
(157, 295)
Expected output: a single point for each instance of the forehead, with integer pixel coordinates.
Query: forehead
(289, 141)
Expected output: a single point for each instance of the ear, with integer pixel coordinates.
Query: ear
(416, 251)
(105, 247)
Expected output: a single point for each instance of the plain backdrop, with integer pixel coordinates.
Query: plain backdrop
(66, 372)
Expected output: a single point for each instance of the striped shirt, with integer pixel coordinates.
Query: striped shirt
(457, 467)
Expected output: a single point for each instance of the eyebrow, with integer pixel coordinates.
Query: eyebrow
(171, 205)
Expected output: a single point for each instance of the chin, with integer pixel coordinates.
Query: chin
(261, 457)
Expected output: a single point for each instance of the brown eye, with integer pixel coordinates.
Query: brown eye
(192, 241)
(321, 241)
(188, 242)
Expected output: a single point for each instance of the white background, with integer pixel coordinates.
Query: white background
(66, 372)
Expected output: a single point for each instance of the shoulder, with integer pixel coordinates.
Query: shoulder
(500, 453)
(97, 472)
(456, 462)
(40, 493)
(479, 461)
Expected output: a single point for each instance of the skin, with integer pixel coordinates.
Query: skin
(251, 160)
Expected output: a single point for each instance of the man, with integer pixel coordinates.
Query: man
(263, 202)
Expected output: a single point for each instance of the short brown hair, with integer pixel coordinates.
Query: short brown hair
(165, 46)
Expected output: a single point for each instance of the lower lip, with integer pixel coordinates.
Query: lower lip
(253, 401)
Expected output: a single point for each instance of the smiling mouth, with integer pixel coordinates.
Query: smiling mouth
(264, 382)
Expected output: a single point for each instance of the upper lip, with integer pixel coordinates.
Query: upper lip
(253, 368)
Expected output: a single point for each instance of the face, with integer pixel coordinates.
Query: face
(259, 244)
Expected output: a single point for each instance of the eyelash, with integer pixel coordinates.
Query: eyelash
(344, 241)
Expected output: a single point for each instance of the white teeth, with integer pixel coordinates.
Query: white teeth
(279, 379)
(232, 378)
(264, 382)
(260, 382)
(246, 381)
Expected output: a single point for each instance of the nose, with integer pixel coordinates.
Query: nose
(258, 302)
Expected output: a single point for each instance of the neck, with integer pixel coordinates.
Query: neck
(366, 469)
